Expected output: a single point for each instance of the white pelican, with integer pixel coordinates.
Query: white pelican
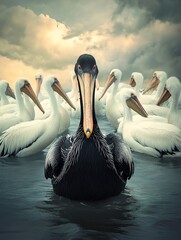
(157, 82)
(43, 98)
(113, 106)
(136, 81)
(12, 108)
(100, 106)
(5, 90)
(172, 90)
(150, 137)
(22, 115)
(88, 165)
(29, 105)
(74, 96)
(30, 137)
(40, 93)
(6, 106)
(62, 104)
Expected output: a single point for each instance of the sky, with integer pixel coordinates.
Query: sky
(47, 37)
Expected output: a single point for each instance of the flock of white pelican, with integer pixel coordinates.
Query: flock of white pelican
(25, 130)
(144, 122)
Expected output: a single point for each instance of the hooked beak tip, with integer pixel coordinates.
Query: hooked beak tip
(88, 133)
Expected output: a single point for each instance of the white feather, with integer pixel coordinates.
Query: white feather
(28, 138)
(148, 136)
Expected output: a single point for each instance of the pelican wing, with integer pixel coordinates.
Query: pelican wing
(10, 108)
(8, 120)
(122, 155)
(55, 157)
(18, 137)
(159, 135)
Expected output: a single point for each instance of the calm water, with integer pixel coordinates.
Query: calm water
(149, 208)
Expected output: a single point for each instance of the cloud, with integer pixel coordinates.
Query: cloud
(150, 49)
(41, 41)
(36, 40)
(128, 35)
(164, 10)
(11, 70)
(131, 20)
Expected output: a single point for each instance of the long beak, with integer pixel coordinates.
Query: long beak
(152, 85)
(58, 88)
(109, 82)
(97, 84)
(38, 86)
(9, 92)
(132, 82)
(27, 89)
(135, 104)
(164, 97)
(87, 87)
(75, 88)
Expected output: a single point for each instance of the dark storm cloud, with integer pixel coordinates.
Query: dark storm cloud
(132, 15)
(130, 20)
(165, 10)
(162, 51)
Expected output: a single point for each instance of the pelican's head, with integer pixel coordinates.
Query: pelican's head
(6, 89)
(24, 86)
(172, 88)
(114, 76)
(86, 71)
(38, 77)
(158, 76)
(128, 97)
(52, 82)
(136, 79)
(39, 80)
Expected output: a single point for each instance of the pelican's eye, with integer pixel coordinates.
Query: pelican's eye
(26, 83)
(94, 68)
(79, 67)
(55, 80)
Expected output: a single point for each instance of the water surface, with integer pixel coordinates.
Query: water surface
(149, 208)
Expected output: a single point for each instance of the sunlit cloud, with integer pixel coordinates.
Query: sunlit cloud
(119, 34)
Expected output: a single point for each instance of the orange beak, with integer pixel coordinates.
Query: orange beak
(27, 89)
(58, 88)
(109, 82)
(135, 104)
(164, 97)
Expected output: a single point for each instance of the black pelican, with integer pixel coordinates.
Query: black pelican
(149, 136)
(28, 138)
(89, 165)
(7, 120)
(172, 90)
(5, 90)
